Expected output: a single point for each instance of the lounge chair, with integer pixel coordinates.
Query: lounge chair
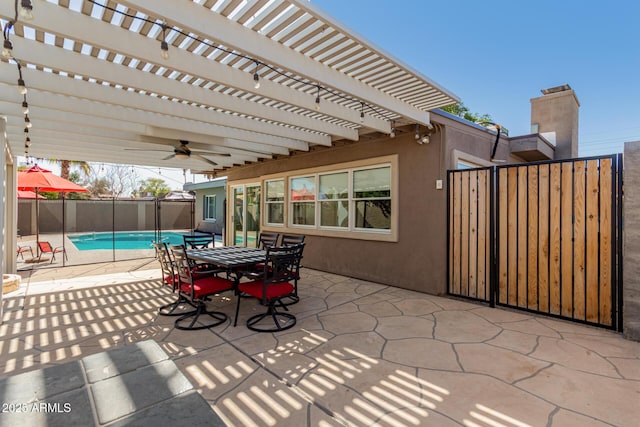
(46, 248)
(23, 249)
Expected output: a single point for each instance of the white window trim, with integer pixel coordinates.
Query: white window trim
(360, 234)
(206, 206)
(266, 203)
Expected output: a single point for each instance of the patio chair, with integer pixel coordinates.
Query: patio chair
(266, 240)
(198, 242)
(196, 287)
(170, 278)
(23, 249)
(46, 248)
(280, 269)
(291, 239)
(288, 240)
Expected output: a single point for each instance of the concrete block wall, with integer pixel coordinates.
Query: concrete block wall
(631, 236)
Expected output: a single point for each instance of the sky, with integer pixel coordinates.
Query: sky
(496, 55)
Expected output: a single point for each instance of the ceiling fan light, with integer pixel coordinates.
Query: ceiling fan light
(181, 155)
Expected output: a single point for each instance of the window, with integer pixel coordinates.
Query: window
(302, 194)
(372, 198)
(334, 200)
(210, 207)
(349, 200)
(274, 200)
(465, 164)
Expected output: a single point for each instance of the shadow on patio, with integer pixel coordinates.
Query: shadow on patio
(361, 354)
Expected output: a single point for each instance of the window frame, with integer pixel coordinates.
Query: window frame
(390, 235)
(206, 205)
(351, 200)
(267, 203)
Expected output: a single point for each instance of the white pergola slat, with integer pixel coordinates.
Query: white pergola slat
(97, 82)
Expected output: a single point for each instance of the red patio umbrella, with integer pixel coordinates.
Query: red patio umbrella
(28, 194)
(38, 179)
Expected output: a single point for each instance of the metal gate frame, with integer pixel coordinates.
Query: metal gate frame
(497, 221)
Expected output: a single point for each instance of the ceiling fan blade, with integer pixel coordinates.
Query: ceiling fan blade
(169, 157)
(204, 159)
(145, 149)
(212, 153)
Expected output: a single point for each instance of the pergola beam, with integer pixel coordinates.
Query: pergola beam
(80, 106)
(87, 66)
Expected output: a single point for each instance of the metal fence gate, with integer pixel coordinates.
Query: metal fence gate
(543, 237)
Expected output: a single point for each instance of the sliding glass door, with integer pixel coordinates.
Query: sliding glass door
(245, 214)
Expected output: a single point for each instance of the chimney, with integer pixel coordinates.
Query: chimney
(556, 112)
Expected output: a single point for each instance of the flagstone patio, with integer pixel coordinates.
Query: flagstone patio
(361, 353)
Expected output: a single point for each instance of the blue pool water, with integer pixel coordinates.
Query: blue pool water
(124, 240)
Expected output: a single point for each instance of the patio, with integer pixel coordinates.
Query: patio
(361, 353)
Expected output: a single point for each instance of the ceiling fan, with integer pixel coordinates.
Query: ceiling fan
(184, 152)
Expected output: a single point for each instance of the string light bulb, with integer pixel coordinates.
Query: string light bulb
(318, 99)
(27, 142)
(27, 122)
(256, 77)
(25, 107)
(26, 10)
(392, 134)
(7, 49)
(26, 132)
(417, 134)
(362, 112)
(22, 88)
(164, 46)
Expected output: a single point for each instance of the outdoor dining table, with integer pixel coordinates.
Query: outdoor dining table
(232, 258)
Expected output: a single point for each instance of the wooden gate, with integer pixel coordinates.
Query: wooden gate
(546, 237)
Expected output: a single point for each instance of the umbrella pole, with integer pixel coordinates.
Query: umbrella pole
(37, 225)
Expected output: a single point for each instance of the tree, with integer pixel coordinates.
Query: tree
(98, 187)
(65, 167)
(155, 186)
(77, 179)
(461, 110)
(65, 172)
(112, 181)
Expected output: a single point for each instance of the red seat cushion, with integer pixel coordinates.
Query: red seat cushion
(207, 286)
(169, 280)
(274, 290)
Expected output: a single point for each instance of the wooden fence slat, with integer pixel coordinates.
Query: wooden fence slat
(606, 242)
(473, 233)
(592, 242)
(543, 239)
(579, 234)
(503, 230)
(532, 238)
(522, 220)
(554, 239)
(483, 231)
(464, 237)
(566, 242)
(512, 238)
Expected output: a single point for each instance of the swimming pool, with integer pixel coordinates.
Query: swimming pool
(124, 240)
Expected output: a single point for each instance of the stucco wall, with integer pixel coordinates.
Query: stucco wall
(631, 263)
(417, 260)
(99, 215)
(220, 194)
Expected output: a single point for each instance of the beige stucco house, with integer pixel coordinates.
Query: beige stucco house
(376, 209)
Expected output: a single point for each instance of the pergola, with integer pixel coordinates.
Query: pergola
(100, 90)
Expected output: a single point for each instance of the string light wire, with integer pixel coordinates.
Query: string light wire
(163, 25)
